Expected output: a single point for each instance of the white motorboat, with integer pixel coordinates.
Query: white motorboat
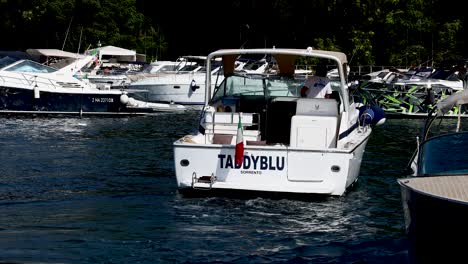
(27, 87)
(112, 66)
(434, 197)
(154, 69)
(439, 79)
(185, 86)
(256, 133)
(410, 94)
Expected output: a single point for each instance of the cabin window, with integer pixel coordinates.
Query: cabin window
(30, 66)
(6, 61)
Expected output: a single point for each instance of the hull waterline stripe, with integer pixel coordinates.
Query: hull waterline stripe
(348, 131)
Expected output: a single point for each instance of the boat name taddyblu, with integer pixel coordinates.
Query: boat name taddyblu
(252, 162)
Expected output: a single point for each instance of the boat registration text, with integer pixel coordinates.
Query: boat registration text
(102, 100)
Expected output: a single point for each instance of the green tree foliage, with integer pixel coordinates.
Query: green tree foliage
(384, 32)
(362, 47)
(75, 25)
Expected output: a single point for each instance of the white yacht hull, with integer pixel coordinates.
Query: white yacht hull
(178, 93)
(184, 88)
(269, 168)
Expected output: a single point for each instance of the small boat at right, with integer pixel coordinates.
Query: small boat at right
(435, 196)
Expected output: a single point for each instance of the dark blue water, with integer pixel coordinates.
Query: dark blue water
(103, 190)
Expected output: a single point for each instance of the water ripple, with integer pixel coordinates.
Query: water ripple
(103, 190)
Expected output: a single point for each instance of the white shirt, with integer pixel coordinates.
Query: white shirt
(318, 87)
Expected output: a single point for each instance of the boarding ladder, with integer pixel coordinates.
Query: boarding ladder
(203, 182)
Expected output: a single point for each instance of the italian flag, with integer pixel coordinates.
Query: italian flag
(239, 156)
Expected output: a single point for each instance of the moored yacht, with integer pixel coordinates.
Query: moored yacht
(186, 83)
(184, 86)
(27, 87)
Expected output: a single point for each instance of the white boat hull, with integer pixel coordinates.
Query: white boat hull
(184, 88)
(178, 93)
(293, 145)
(268, 168)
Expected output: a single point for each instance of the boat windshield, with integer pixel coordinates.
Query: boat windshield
(162, 68)
(444, 155)
(5, 61)
(382, 74)
(30, 66)
(189, 68)
(258, 85)
(444, 75)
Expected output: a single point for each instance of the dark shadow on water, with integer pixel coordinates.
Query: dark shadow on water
(248, 195)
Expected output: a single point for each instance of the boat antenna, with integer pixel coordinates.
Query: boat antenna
(79, 43)
(66, 34)
(240, 35)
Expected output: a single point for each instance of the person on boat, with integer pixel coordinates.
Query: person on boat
(222, 108)
(318, 85)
